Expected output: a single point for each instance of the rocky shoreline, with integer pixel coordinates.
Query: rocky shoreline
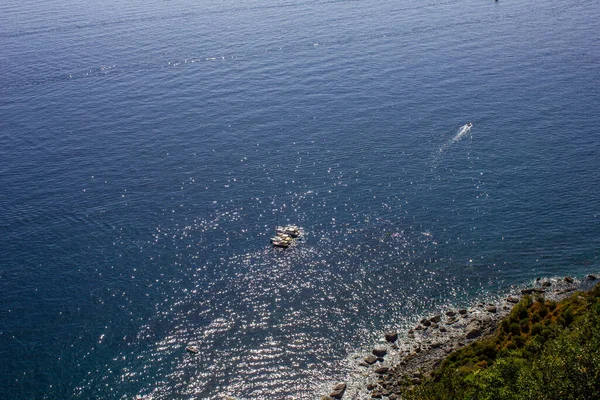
(407, 357)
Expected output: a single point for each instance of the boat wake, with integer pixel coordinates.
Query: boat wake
(460, 134)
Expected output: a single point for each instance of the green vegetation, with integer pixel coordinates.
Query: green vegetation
(542, 350)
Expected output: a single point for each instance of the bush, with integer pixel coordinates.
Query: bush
(556, 361)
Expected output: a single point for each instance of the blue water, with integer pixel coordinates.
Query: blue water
(148, 149)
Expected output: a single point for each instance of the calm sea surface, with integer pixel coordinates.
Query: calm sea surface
(149, 148)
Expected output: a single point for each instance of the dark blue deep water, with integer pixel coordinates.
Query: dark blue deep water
(148, 149)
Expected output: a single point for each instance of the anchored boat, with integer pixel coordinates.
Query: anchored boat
(285, 235)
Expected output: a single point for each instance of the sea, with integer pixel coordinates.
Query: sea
(148, 150)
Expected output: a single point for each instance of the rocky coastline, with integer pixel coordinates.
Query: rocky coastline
(407, 357)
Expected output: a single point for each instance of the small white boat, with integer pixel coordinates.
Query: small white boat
(281, 241)
(192, 349)
(291, 230)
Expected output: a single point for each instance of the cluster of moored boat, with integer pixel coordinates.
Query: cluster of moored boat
(285, 235)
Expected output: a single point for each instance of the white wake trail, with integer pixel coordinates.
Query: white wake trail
(460, 134)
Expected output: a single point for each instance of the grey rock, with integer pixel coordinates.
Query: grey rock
(338, 391)
(391, 337)
(379, 352)
(425, 322)
(462, 311)
(546, 284)
(533, 290)
(568, 279)
(381, 370)
(591, 277)
(450, 321)
(512, 299)
(451, 313)
(436, 318)
(473, 332)
(370, 359)
(371, 386)
(491, 309)
(415, 381)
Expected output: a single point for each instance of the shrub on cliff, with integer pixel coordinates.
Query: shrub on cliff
(542, 350)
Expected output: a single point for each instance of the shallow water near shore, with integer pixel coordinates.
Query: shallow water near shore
(148, 150)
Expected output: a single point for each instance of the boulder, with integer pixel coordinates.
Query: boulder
(491, 309)
(451, 313)
(370, 359)
(425, 322)
(568, 279)
(436, 318)
(546, 284)
(532, 291)
(591, 277)
(381, 370)
(473, 331)
(512, 299)
(338, 391)
(379, 352)
(391, 337)
(462, 311)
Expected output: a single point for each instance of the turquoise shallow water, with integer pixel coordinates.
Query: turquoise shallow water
(148, 149)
